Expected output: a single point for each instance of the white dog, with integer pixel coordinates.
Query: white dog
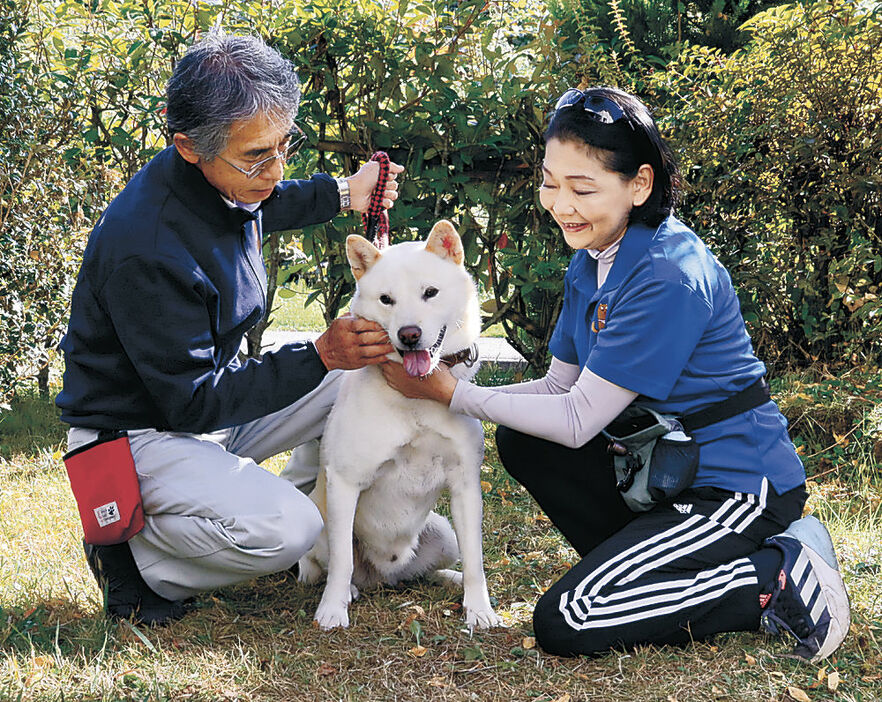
(386, 458)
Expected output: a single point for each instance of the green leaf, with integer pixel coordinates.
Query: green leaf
(472, 653)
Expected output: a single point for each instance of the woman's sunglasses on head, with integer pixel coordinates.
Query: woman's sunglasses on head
(597, 107)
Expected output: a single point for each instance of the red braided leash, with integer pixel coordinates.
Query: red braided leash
(376, 220)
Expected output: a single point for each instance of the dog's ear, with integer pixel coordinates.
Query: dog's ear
(361, 253)
(443, 241)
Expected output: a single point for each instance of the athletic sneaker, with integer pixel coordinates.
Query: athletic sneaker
(126, 595)
(809, 598)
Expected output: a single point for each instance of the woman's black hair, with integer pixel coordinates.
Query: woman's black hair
(623, 147)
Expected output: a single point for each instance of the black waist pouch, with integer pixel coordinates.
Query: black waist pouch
(653, 457)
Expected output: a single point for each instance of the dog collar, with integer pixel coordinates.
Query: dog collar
(467, 356)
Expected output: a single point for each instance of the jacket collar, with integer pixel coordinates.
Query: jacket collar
(199, 196)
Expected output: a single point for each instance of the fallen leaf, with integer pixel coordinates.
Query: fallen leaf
(716, 692)
(485, 486)
(420, 612)
(798, 694)
(33, 678)
(822, 673)
(833, 681)
(750, 659)
(44, 662)
(438, 681)
(418, 651)
(324, 670)
(528, 642)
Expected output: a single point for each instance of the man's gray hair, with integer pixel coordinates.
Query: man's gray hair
(225, 78)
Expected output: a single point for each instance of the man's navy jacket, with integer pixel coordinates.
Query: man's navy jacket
(171, 280)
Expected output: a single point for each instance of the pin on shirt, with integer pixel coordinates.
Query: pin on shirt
(600, 322)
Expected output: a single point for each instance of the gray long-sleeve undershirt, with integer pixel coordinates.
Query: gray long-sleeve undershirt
(566, 406)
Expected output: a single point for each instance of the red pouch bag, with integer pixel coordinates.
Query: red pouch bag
(105, 485)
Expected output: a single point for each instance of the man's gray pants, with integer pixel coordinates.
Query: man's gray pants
(212, 516)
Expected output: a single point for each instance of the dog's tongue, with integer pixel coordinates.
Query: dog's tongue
(417, 363)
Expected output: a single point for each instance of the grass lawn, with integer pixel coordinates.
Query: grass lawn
(255, 641)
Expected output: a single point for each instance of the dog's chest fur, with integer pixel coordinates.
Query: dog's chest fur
(403, 464)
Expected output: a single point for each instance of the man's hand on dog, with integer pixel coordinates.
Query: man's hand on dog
(352, 342)
(362, 184)
(438, 385)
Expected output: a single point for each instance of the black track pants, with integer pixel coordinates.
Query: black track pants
(677, 573)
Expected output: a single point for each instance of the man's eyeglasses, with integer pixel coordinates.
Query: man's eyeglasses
(597, 107)
(295, 139)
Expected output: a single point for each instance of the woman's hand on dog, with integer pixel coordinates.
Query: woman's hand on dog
(352, 342)
(362, 184)
(438, 385)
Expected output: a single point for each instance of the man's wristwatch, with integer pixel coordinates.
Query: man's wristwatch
(345, 197)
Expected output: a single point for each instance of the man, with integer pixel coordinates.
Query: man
(171, 280)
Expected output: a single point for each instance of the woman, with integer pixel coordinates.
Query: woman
(650, 313)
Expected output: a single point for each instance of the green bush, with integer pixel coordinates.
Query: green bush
(781, 145)
(457, 92)
(45, 203)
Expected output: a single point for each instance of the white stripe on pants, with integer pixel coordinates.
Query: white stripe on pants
(213, 517)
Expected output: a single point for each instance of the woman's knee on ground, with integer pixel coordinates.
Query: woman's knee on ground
(555, 635)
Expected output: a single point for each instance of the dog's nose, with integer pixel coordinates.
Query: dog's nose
(409, 336)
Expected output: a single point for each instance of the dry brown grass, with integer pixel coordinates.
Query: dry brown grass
(256, 641)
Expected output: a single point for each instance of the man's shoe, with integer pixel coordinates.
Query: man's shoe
(126, 595)
(809, 598)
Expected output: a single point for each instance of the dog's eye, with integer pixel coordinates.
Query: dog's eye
(386, 300)
(429, 293)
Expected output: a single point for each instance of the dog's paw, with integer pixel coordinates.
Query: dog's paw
(333, 611)
(309, 571)
(332, 616)
(482, 618)
(446, 576)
